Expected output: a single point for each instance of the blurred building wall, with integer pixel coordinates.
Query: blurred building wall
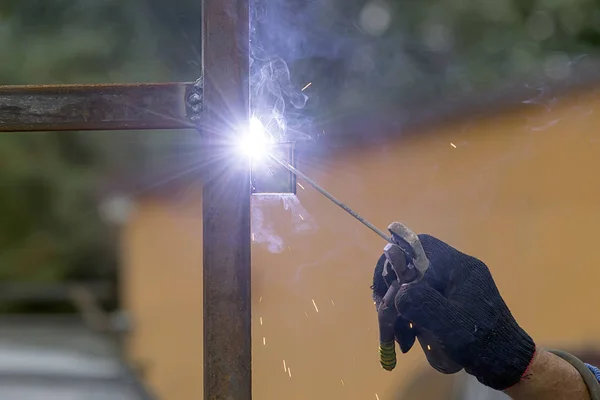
(520, 190)
(162, 291)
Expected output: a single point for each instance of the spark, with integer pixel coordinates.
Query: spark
(261, 322)
(305, 313)
(284, 366)
(429, 347)
(260, 300)
(410, 325)
(301, 187)
(453, 145)
(376, 396)
(301, 217)
(315, 304)
(343, 384)
(306, 86)
(264, 341)
(332, 303)
(290, 372)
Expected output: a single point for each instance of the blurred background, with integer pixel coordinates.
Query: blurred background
(473, 120)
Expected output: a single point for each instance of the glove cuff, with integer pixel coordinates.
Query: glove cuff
(504, 355)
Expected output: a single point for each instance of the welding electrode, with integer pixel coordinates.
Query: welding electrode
(406, 258)
(333, 199)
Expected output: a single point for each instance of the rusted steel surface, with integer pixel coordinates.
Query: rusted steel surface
(94, 107)
(226, 204)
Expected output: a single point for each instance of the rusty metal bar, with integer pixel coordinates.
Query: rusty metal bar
(226, 203)
(94, 107)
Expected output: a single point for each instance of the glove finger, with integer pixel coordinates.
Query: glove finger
(405, 334)
(441, 262)
(436, 355)
(437, 249)
(426, 307)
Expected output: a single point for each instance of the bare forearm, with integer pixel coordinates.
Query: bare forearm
(550, 377)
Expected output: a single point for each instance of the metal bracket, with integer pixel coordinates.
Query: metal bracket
(194, 100)
(268, 177)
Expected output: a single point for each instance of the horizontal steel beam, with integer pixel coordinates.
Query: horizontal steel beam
(98, 107)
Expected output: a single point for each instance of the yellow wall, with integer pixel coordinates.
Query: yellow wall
(520, 191)
(162, 290)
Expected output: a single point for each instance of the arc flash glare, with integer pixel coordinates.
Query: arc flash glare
(268, 177)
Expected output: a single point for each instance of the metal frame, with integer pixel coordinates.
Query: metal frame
(226, 204)
(210, 107)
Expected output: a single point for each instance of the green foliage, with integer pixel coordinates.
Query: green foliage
(49, 225)
(47, 218)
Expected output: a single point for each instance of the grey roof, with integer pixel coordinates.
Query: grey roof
(35, 389)
(61, 360)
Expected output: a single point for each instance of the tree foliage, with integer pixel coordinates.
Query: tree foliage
(361, 54)
(49, 225)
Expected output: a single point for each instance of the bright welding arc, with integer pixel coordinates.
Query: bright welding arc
(255, 141)
(332, 198)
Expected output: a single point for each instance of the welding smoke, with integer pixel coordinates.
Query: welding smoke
(271, 87)
(330, 44)
(284, 34)
(303, 222)
(263, 228)
(272, 93)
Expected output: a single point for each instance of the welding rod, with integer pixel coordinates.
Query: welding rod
(387, 350)
(330, 197)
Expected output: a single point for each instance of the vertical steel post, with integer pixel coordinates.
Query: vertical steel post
(226, 203)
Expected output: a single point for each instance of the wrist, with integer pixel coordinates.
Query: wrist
(534, 376)
(549, 376)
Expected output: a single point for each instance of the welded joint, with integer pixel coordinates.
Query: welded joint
(268, 177)
(194, 100)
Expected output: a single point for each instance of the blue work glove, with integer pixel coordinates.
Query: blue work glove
(458, 303)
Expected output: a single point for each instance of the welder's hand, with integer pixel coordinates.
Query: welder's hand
(458, 302)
